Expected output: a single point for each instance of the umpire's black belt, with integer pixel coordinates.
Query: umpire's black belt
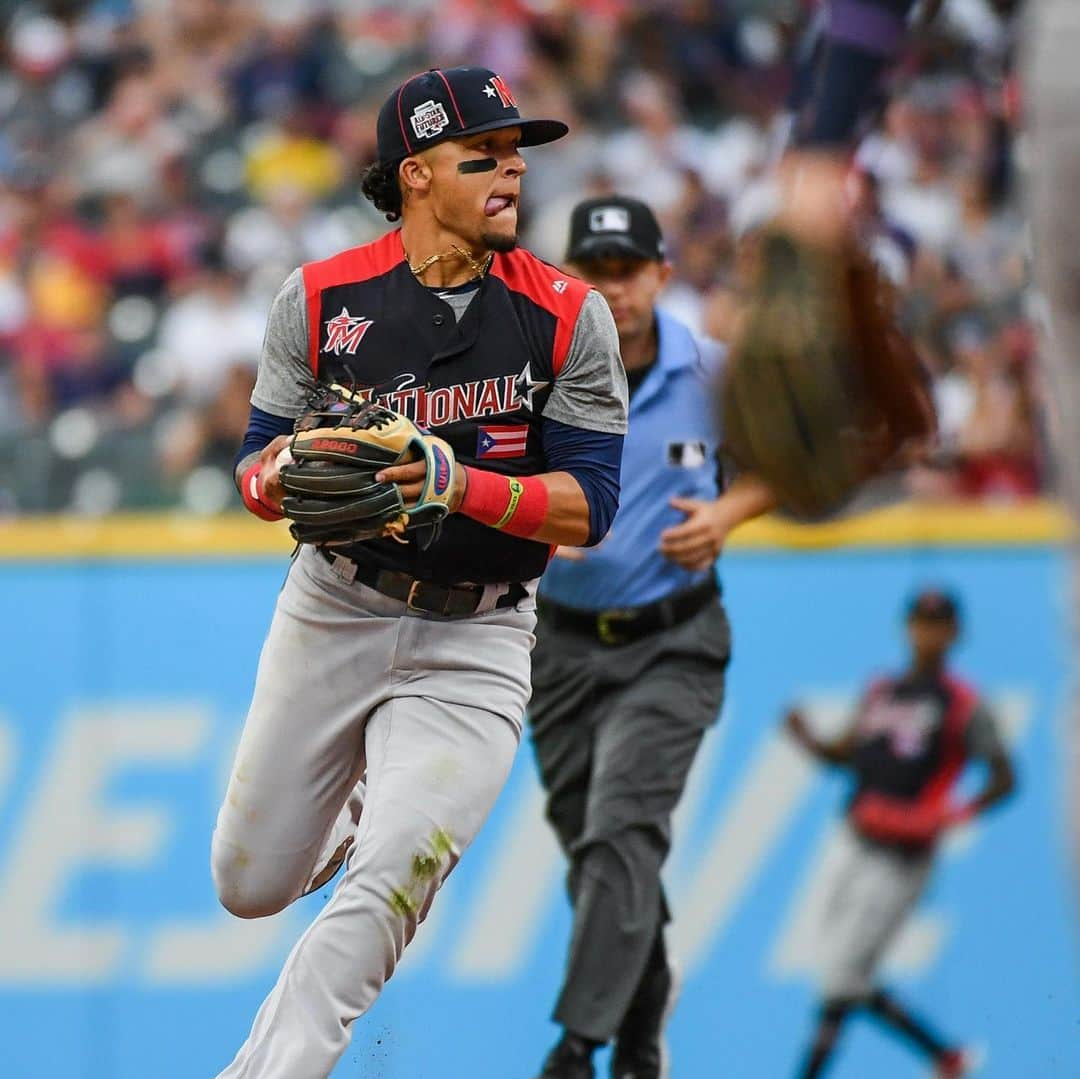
(449, 600)
(623, 625)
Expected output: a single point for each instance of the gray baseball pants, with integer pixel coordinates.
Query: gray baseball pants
(425, 711)
(615, 730)
(1052, 93)
(871, 894)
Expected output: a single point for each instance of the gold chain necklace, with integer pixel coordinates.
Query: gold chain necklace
(479, 267)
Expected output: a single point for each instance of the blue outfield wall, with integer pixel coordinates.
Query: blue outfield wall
(122, 692)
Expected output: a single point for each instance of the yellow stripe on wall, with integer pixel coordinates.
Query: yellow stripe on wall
(1031, 524)
(164, 536)
(141, 536)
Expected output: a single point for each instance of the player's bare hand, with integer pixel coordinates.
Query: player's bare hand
(569, 554)
(270, 470)
(696, 542)
(410, 479)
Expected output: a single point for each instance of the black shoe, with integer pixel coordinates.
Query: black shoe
(639, 1044)
(570, 1059)
(641, 1062)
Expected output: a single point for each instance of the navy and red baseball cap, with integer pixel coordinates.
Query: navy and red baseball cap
(934, 605)
(447, 103)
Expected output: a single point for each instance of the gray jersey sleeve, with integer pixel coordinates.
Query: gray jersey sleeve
(590, 390)
(983, 737)
(284, 379)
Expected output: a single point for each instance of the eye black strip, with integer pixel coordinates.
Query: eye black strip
(483, 164)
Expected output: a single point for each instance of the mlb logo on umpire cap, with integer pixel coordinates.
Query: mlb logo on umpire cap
(609, 219)
(615, 226)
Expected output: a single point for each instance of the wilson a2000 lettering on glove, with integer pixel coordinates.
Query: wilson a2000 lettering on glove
(340, 443)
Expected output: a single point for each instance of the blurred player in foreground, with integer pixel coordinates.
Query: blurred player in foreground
(632, 646)
(1052, 90)
(907, 748)
(822, 391)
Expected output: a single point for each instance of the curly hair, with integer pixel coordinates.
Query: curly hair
(380, 186)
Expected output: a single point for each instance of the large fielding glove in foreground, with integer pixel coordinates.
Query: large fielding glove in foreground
(822, 391)
(340, 443)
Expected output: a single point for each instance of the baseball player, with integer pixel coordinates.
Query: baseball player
(632, 646)
(910, 741)
(392, 685)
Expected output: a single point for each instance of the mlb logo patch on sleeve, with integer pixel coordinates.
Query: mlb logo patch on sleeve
(502, 441)
(686, 454)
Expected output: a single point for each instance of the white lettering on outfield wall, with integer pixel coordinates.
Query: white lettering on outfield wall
(70, 823)
(68, 827)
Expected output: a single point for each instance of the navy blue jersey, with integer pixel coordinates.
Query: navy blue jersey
(481, 383)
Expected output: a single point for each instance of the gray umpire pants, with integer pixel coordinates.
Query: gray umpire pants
(358, 700)
(1052, 92)
(615, 730)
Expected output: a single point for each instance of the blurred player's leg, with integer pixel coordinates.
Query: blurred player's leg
(885, 1007)
(873, 891)
(830, 1022)
(1053, 95)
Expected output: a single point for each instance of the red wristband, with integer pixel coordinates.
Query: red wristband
(251, 491)
(516, 505)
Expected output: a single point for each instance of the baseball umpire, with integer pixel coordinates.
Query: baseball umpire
(907, 748)
(392, 685)
(632, 646)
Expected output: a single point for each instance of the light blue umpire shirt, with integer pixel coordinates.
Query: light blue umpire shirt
(669, 451)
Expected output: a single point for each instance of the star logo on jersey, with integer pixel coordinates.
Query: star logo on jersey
(344, 332)
(525, 386)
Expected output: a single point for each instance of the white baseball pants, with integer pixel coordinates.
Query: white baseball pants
(354, 692)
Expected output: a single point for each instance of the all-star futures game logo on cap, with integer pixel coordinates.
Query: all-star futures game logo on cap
(429, 119)
(451, 102)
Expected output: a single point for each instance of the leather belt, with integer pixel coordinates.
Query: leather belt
(448, 600)
(623, 625)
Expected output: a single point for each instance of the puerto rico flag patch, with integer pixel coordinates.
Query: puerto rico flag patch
(502, 441)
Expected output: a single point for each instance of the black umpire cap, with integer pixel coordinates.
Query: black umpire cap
(447, 103)
(934, 605)
(614, 227)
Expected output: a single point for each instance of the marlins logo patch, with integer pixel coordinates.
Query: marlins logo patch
(428, 119)
(344, 332)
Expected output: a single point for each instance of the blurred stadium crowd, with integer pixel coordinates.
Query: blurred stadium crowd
(164, 165)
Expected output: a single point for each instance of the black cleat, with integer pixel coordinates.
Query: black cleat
(570, 1059)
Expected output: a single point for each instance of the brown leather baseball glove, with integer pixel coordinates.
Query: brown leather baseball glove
(340, 443)
(822, 390)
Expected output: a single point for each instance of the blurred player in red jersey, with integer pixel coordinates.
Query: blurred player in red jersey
(910, 741)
